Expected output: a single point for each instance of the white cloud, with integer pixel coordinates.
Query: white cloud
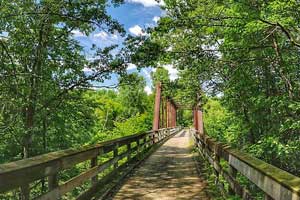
(156, 19)
(172, 71)
(148, 89)
(137, 30)
(86, 69)
(114, 36)
(103, 35)
(131, 66)
(147, 3)
(106, 39)
(77, 33)
(147, 73)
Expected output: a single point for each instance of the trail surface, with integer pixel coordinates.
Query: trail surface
(169, 173)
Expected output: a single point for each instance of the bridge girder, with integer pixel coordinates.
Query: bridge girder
(165, 112)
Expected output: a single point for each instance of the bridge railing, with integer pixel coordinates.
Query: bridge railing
(274, 182)
(119, 153)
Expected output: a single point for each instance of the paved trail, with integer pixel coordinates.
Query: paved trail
(169, 173)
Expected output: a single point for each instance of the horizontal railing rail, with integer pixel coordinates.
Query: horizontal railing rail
(21, 173)
(275, 183)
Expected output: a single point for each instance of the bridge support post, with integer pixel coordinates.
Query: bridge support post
(198, 120)
(161, 113)
(171, 114)
(168, 114)
(157, 107)
(165, 120)
(174, 113)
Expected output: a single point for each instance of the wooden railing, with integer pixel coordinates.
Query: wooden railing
(274, 182)
(118, 154)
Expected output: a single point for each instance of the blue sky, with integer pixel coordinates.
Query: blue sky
(134, 15)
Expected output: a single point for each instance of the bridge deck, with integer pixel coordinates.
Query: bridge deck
(169, 173)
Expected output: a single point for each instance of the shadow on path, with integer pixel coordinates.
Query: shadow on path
(169, 173)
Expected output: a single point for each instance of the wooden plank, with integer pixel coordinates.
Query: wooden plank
(35, 168)
(94, 189)
(278, 184)
(236, 187)
(273, 188)
(75, 182)
(80, 179)
(48, 165)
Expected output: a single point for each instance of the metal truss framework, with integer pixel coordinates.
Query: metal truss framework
(165, 112)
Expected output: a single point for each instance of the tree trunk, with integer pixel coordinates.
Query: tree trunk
(280, 65)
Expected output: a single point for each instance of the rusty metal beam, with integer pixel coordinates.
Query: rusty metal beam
(174, 109)
(184, 107)
(165, 113)
(195, 119)
(172, 114)
(200, 121)
(161, 114)
(157, 107)
(169, 117)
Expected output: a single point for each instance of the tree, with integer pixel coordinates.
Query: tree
(42, 68)
(132, 94)
(42, 63)
(246, 52)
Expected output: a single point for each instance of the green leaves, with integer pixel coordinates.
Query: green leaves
(244, 52)
(41, 101)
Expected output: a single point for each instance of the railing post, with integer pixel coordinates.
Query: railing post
(25, 192)
(233, 173)
(153, 137)
(94, 162)
(145, 142)
(129, 149)
(160, 135)
(138, 145)
(53, 181)
(217, 164)
(116, 155)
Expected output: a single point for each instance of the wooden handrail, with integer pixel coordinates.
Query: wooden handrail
(16, 174)
(275, 183)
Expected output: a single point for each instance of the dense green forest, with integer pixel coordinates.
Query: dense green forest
(238, 60)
